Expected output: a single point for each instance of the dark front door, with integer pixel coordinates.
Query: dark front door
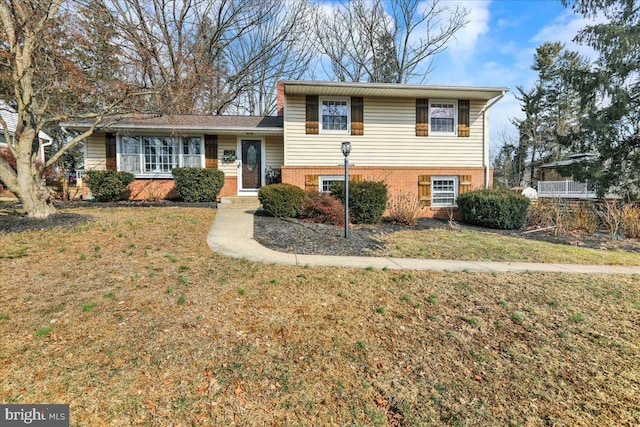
(251, 164)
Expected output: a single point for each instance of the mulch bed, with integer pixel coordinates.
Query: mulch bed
(13, 222)
(296, 236)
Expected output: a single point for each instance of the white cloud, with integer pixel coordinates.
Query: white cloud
(467, 38)
(565, 28)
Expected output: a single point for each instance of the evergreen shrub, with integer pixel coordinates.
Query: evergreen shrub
(497, 209)
(109, 186)
(281, 200)
(196, 185)
(367, 200)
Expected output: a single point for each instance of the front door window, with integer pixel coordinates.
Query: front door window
(251, 164)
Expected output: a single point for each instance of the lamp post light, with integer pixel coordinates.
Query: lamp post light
(346, 149)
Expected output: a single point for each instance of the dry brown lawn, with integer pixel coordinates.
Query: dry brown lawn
(131, 319)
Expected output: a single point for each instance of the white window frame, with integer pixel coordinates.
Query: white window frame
(344, 99)
(142, 173)
(324, 178)
(454, 102)
(183, 156)
(456, 183)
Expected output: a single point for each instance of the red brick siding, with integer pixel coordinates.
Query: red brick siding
(150, 189)
(398, 179)
(230, 187)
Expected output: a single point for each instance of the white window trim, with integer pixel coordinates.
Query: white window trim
(263, 152)
(321, 122)
(456, 184)
(324, 178)
(141, 154)
(455, 117)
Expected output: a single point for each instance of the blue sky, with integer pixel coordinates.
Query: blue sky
(497, 47)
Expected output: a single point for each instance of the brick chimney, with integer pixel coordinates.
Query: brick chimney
(280, 98)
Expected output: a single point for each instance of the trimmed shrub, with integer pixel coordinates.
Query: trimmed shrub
(281, 200)
(367, 200)
(109, 186)
(404, 208)
(494, 209)
(322, 208)
(195, 185)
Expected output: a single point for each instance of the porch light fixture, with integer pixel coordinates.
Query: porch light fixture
(346, 149)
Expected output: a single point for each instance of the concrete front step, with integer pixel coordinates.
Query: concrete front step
(235, 202)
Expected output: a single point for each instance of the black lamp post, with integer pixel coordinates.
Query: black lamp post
(346, 149)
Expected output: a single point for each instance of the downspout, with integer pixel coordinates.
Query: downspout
(485, 139)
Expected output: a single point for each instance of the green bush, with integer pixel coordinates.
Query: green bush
(108, 186)
(281, 200)
(367, 200)
(198, 185)
(494, 209)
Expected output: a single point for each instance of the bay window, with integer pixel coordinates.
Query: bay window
(158, 155)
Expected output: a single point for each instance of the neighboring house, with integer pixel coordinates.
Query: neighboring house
(10, 116)
(432, 141)
(552, 183)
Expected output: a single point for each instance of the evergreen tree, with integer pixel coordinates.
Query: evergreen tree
(551, 108)
(612, 89)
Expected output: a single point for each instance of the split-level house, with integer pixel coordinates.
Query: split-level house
(431, 141)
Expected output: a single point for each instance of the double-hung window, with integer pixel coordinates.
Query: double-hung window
(158, 155)
(443, 117)
(192, 152)
(444, 190)
(130, 154)
(326, 181)
(335, 114)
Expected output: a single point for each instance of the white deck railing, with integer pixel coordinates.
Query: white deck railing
(565, 189)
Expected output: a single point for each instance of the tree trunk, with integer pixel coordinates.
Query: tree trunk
(26, 181)
(35, 198)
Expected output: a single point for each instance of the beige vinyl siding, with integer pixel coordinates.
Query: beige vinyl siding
(227, 142)
(274, 147)
(389, 138)
(95, 152)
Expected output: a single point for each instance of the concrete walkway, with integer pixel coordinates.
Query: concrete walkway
(232, 235)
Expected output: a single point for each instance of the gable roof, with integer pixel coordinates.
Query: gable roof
(390, 90)
(186, 122)
(10, 116)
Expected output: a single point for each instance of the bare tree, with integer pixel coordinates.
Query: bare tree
(279, 48)
(48, 78)
(507, 162)
(212, 54)
(365, 41)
